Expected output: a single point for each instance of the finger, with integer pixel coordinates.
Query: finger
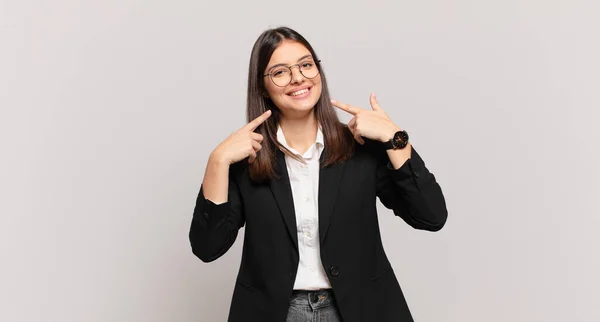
(256, 146)
(374, 105)
(352, 124)
(358, 137)
(354, 130)
(345, 107)
(256, 137)
(258, 121)
(251, 155)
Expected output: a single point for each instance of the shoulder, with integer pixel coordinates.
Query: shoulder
(239, 169)
(374, 149)
(370, 154)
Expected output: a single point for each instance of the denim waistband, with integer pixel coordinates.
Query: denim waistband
(313, 299)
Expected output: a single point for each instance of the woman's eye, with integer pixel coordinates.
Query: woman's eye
(307, 64)
(279, 72)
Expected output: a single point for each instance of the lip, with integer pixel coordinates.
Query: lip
(299, 89)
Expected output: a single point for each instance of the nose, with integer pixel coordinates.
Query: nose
(297, 76)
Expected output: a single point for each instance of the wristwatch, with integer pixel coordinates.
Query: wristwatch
(399, 141)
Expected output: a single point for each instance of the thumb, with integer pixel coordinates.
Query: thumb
(374, 105)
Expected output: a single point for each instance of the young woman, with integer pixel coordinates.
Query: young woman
(305, 187)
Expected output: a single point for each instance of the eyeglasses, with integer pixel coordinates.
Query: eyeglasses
(282, 75)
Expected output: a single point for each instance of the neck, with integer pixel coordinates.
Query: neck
(300, 133)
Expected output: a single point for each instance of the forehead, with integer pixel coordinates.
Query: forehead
(288, 52)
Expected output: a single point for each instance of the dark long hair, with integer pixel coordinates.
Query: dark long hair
(339, 144)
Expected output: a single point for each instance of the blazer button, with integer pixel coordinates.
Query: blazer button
(206, 215)
(334, 270)
(417, 174)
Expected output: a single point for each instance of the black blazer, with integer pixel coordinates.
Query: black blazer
(362, 279)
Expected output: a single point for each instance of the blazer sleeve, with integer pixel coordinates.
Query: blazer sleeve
(411, 191)
(214, 228)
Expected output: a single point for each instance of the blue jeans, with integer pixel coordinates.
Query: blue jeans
(313, 306)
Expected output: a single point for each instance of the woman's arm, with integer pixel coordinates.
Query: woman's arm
(403, 182)
(411, 191)
(218, 214)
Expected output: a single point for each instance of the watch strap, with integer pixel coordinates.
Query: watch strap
(388, 145)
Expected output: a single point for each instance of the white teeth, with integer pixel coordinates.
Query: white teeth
(300, 92)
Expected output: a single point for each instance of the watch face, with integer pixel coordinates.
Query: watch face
(400, 139)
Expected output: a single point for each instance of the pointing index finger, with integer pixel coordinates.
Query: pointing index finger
(258, 121)
(345, 107)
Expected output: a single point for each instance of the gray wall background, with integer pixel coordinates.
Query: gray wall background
(109, 110)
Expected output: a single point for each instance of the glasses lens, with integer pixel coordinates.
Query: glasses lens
(281, 76)
(309, 69)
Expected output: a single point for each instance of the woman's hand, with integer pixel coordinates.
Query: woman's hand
(241, 144)
(373, 124)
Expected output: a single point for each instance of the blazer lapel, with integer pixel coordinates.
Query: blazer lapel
(282, 191)
(329, 185)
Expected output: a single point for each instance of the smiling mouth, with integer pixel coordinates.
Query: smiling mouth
(300, 92)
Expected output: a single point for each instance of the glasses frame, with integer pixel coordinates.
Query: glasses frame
(317, 64)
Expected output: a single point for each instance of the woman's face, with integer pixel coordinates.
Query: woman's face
(301, 94)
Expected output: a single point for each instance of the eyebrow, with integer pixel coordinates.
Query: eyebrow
(282, 64)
